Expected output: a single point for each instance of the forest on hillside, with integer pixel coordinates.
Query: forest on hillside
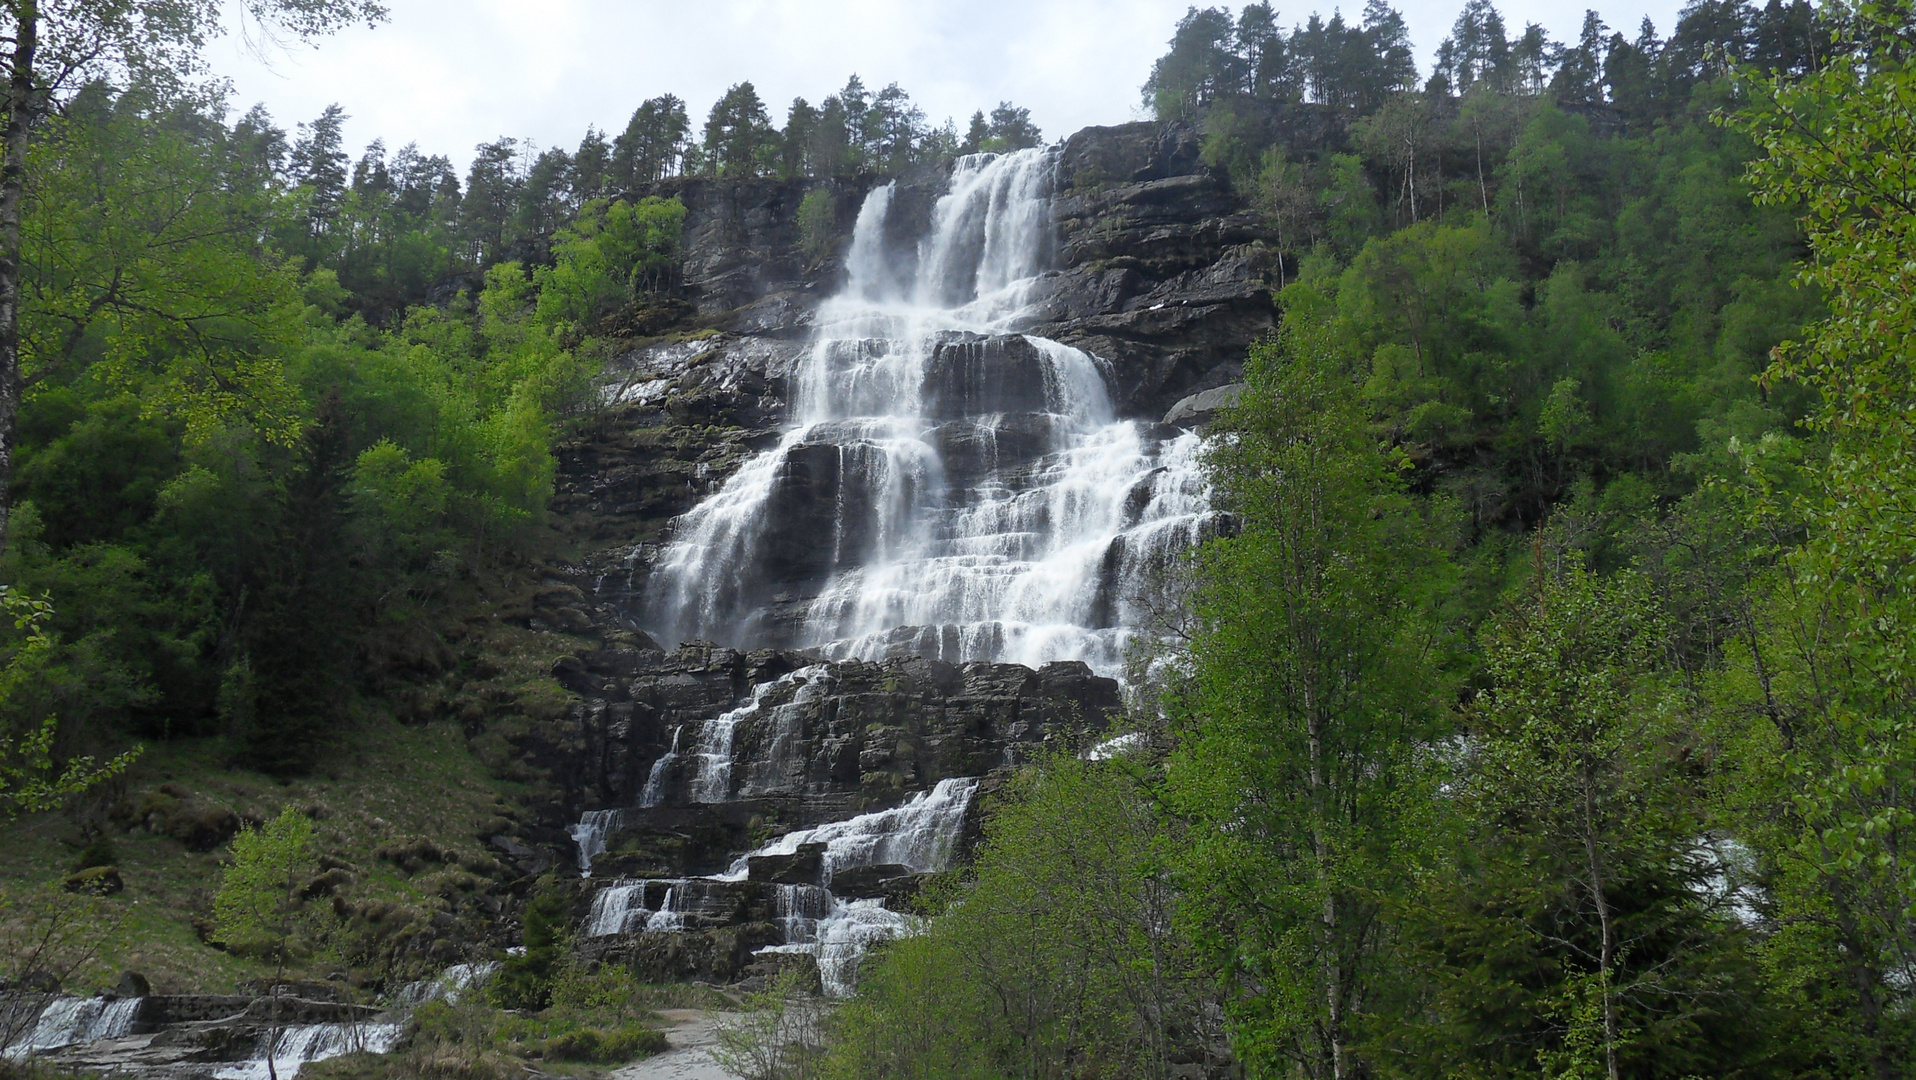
(1548, 709)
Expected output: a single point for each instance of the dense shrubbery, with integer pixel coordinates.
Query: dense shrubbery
(225, 477)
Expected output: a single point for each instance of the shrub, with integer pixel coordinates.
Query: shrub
(817, 224)
(605, 1047)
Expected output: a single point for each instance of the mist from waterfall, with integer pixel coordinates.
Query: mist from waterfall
(948, 486)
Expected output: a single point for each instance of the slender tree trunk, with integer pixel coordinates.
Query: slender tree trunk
(1327, 932)
(21, 100)
(1483, 190)
(1608, 949)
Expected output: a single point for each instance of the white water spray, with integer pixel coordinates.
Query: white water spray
(948, 486)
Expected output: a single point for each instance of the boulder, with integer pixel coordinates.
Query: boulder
(1198, 409)
(173, 810)
(866, 882)
(803, 867)
(96, 880)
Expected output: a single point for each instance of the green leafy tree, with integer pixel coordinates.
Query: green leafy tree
(1311, 685)
(259, 908)
(1840, 144)
(818, 224)
(1063, 949)
(609, 254)
(31, 776)
(1593, 927)
(56, 49)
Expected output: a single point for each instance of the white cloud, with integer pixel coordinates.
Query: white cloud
(450, 74)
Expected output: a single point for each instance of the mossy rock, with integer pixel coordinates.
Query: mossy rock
(97, 880)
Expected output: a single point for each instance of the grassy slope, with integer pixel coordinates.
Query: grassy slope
(394, 784)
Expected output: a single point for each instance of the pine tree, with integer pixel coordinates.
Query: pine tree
(738, 134)
(319, 165)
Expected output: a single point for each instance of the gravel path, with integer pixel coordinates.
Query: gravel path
(691, 1038)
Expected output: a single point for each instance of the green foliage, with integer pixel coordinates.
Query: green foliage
(50, 938)
(259, 908)
(778, 1037)
(229, 478)
(605, 1048)
(610, 254)
(1312, 685)
(1594, 928)
(818, 224)
(1066, 945)
(525, 980)
(33, 681)
(1823, 673)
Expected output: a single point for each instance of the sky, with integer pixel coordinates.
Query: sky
(450, 74)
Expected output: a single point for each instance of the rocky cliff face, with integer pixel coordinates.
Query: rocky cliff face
(1157, 271)
(682, 760)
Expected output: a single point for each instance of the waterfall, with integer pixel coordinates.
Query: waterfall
(774, 770)
(65, 1021)
(292, 1047)
(948, 486)
(590, 833)
(625, 909)
(836, 933)
(920, 835)
(655, 780)
(450, 985)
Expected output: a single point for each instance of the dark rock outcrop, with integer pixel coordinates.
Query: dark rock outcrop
(864, 738)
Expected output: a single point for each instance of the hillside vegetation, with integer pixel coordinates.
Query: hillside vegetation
(1547, 708)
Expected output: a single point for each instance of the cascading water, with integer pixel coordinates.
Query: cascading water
(655, 780)
(64, 1021)
(714, 780)
(918, 835)
(948, 486)
(590, 834)
(634, 907)
(282, 1053)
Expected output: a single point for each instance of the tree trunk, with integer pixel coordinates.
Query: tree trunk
(21, 95)
(1608, 949)
(1327, 933)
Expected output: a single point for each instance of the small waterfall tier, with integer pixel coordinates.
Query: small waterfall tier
(824, 890)
(947, 486)
(216, 1036)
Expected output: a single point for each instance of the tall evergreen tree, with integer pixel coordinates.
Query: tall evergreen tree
(1200, 67)
(591, 165)
(319, 165)
(1012, 129)
(739, 138)
(493, 186)
(653, 144)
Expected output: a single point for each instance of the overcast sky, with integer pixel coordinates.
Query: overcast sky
(450, 74)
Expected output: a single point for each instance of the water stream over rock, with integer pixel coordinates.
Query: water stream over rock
(947, 486)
